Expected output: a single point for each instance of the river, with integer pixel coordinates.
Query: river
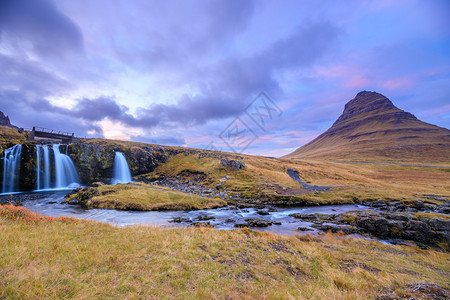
(50, 204)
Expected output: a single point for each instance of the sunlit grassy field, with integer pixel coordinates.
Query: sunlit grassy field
(59, 259)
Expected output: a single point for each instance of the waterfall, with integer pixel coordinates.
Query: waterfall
(38, 167)
(46, 168)
(11, 169)
(43, 167)
(121, 170)
(65, 173)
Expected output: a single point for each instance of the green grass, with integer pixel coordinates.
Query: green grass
(92, 260)
(147, 197)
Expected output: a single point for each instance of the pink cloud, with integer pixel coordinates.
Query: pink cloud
(398, 83)
(439, 111)
(357, 81)
(334, 71)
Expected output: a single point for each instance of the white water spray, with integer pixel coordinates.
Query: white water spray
(11, 169)
(43, 167)
(121, 170)
(65, 173)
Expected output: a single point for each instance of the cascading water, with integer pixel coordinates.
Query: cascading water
(43, 168)
(65, 173)
(11, 169)
(121, 170)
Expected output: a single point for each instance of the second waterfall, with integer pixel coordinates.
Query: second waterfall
(57, 174)
(122, 172)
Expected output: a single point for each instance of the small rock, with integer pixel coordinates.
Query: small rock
(202, 224)
(205, 218)
(303, 229)
(180, 220)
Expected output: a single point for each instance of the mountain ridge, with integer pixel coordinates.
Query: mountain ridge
(371, 127)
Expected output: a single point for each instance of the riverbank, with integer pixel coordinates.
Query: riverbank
(89, 259)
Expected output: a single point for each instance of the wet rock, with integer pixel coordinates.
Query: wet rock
(81, 196)
(230, 221)
(443, 208)
(303, 229)
(258, 222)
(374, 224)
(339, 219)
(180, 220)
(254, 222)
(262, 212)
(202, 224)
(347, 229)
(399, 217)
(313, 217)
(399, 226)
(411, 209)
(378, 204)
(205, 218)
(439, 224)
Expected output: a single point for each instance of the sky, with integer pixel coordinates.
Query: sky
(259, 77)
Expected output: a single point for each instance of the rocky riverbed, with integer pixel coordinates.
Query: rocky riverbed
(423, 223)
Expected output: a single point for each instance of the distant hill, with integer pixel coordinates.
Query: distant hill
(372, 129)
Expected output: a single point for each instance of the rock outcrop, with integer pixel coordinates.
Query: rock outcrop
(95, 162)
(236, 165)
(4, 121)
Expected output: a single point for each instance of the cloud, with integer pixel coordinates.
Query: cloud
(180, 70)
(160, 140)
(38, 26)
(26, 112)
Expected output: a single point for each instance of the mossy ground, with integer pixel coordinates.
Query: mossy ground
(140, 196)
(93, 260)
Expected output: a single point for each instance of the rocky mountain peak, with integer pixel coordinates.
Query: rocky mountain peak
(370, 104)
(372, 128)
(4, 120)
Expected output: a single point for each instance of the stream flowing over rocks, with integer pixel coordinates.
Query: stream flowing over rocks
(388, 220)
(391, 220)
(394, 227)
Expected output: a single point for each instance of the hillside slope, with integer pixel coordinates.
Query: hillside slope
(372, 129)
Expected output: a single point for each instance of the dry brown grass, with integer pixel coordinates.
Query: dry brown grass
(265, 176)
(10, 136)
(92, 260)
